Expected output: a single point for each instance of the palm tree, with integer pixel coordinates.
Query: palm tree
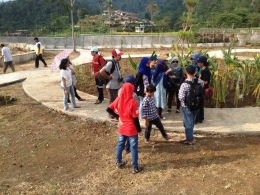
(152, 7)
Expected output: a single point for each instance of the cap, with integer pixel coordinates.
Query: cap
(203, 60)
(35, 38)
(95, 49)
(116, 52)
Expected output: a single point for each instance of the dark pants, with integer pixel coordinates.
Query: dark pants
(39, 57)
(200, 114)
(159, 111)
(157, 122)
(100, 90)
(112, 94)
(76, 94)
(170, 99)
(6, 64)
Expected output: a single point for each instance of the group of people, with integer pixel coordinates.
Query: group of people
(8, 59)
(143, 96)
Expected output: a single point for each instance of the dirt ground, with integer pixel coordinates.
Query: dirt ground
(48, 152)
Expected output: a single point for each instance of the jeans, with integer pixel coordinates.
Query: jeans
(141, 107)
(188, 122)
(157, 122)
(65, 98)
(37, 59)
(100, 90)
(133, 140)
(76, 94)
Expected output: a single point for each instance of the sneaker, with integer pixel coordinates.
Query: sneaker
(169, 110)
(46, 65)
(138, 169)
(163, 117)
(121, 164)
(177, 111)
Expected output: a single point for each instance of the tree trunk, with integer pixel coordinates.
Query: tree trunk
(72, 26)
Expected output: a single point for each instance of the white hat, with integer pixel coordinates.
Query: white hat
(95, 49)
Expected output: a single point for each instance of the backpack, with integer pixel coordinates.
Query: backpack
(208, 93)
(102, 80)
(194, 99)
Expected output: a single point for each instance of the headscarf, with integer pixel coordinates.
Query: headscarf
(159, 73)
(145, 69)
(125, 101)
(174, 59)
(195, 56)
(129, 79)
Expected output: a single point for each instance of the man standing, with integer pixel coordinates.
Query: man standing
(97, 61)
(114, 77)
(38, 51)
(8, 60)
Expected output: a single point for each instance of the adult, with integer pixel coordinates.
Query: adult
(97, 61)
(175, 77)
(161, 82)
(129, 127)
(115, 77)
(66, 84)
(188, 115)
(143, 78)
(74, 81)
(38, 51)
(8, 59)
(194, 62)
(152, 62)
(205, 77)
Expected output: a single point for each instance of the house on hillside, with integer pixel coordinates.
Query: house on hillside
(121, 16)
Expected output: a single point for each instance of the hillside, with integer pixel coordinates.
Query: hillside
(31, 14)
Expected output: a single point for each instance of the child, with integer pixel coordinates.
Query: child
(188, 115)
(151, 115)
(129, 126)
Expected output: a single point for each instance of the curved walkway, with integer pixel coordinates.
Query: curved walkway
(44, 87)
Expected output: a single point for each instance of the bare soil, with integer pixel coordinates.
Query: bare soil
(48, 152)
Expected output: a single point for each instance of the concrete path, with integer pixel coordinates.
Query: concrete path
(44, 87)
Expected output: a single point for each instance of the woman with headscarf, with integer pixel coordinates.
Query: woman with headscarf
(161, 82)
(129, 78)
(129, 126)
(176, 77)
(143, 78)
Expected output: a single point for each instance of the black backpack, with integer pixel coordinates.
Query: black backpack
(102, 80)
(194, 100)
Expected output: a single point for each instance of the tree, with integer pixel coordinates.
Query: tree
(152, 7)
(68, 5)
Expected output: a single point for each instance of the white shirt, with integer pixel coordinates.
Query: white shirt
(74, 79)
(66, 74)
(6, 52)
